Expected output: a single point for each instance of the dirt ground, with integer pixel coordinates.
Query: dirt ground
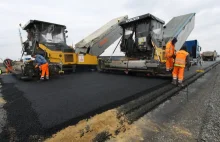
(97, 128)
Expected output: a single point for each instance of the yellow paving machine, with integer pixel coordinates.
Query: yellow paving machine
(49, 40)
(144, 40)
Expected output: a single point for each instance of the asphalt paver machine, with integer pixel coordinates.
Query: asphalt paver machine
(144, 40)
(48, 40)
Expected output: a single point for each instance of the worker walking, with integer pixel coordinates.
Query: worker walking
(169, 54)
(181, 60)
(43, 65)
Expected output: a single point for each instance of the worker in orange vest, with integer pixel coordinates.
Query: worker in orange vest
(182, 59)
(170, 54)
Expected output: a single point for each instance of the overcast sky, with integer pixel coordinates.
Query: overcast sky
(82, 17)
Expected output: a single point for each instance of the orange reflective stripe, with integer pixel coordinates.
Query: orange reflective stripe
(178, 65)
(180, 61)
(180, 58)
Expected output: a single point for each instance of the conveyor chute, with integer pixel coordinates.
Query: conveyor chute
(180, 27)
(101, 39)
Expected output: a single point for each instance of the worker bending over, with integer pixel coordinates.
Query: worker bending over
(42, 64)
(8, 65)
(170, 54)
(181, 60)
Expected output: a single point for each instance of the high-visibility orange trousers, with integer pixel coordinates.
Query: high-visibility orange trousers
(8, 69)
(169, 64)
(44, 70)
(178, 72)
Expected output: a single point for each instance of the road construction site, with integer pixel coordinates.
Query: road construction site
(91, 98)
(34, 113)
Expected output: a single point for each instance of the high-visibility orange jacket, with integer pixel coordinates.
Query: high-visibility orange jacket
(169, 51)
(181, 58)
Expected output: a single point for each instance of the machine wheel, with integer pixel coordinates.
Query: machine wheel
(53, 70)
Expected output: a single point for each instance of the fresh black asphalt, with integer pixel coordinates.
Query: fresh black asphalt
(69, 97)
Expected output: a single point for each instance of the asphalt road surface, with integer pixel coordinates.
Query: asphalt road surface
(68, 98)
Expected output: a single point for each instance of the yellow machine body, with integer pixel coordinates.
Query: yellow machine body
(86, 59)
(159, 53)
(64, 58)
(69, 58)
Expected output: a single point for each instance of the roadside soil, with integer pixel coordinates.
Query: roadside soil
(98, 128)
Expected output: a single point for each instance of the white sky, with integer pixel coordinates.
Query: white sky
(85, 16)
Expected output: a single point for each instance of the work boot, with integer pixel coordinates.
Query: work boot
(47, 77)
(42, 78)
(180, 84)
(167, 72)
(174, 82)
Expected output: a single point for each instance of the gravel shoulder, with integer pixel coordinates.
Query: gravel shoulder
(182, 119)
(3, 115)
